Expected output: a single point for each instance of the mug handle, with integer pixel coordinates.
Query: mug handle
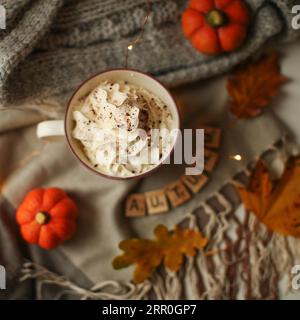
(49, 129)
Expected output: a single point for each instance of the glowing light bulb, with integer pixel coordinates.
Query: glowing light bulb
(236, 157)
(130, 47)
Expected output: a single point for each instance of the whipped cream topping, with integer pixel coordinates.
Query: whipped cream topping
(114, 125)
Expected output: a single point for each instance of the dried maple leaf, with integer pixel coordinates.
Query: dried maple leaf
(252, 86)
(276, 204)
(168, 248)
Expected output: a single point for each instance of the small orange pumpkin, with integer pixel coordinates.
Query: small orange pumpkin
(47, 217)
(216, 26)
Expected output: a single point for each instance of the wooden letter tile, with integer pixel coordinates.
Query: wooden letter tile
(156, 202)
(195, 183)
(177, 193)
(135, 206)
(210, 159)
(212, 137)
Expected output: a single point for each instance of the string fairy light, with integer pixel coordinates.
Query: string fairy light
(236, 157)
(139, 37)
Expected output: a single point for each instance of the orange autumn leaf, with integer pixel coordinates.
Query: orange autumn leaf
(252, 86)
(275, 203)
(168, 248)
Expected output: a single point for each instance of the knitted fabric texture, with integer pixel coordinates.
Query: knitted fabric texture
(49, 47)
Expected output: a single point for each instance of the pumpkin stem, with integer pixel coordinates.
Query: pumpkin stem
(216, 18)
(42, 218)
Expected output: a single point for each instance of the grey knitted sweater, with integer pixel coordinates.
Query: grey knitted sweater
(49, 47)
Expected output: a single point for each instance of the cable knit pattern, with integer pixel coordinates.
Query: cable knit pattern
(51, 46)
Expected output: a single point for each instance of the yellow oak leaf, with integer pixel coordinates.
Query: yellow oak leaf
(168, 248)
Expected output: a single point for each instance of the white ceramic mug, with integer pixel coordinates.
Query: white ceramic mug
(64, 127)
